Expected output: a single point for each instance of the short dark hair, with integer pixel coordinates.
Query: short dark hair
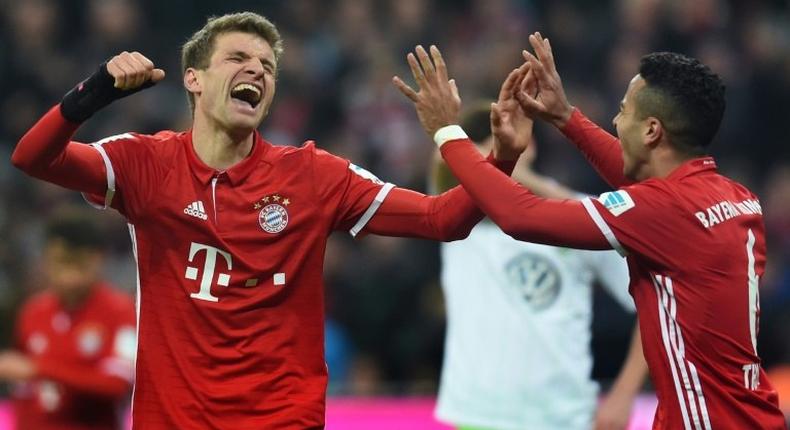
(476, 121)
(685, 95)
(77, 228)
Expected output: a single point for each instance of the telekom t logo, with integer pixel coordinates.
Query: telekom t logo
(208, 271)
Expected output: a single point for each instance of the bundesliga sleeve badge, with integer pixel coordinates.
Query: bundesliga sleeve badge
(273, 217)
(618, 202)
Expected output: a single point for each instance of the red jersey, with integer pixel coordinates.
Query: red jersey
(695, 243)
(84, 359)
(230, 266)
(230, 263)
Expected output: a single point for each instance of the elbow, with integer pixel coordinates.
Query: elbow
(19, 161)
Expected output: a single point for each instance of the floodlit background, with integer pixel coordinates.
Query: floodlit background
(384, 305)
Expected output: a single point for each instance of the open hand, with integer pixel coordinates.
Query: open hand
(437, 101)
(511, 128)
(549, 102)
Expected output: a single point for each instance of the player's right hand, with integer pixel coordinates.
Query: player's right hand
(550, 102)
(131, 70)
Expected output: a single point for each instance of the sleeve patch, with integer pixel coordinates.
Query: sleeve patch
(365, 174)
(617, 202)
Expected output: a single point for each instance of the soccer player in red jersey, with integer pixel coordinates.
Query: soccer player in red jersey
(694, 239)
(229, 231)
(75, 342)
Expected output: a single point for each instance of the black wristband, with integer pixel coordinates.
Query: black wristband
(92, 94)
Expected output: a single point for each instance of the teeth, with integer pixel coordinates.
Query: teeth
(241, 87)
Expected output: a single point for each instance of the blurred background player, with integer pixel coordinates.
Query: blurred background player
(517, 350)
(75, 341)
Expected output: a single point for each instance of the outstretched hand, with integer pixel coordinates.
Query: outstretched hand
(511, 128)
(132, 69)
(549, 101)
(437, 101)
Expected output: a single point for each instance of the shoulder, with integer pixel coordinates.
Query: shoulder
(38, 304)
(113, 299)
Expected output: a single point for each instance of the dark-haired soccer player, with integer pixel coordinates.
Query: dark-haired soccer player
(694, 239)
(229, 231)
(75, 341)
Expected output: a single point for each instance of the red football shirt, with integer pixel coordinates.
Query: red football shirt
(696, 251)
(230, 267)
(84, 358)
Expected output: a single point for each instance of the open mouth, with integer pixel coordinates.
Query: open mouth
(247, 93)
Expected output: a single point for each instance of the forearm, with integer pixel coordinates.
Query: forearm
(86, 379)
(45, 152)
(544, 186)
(600, 148)
(446, 217)
(515, 209)
(632, 375)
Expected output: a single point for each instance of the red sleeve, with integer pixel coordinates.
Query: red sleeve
(517, 211)
(637, 218)
(448, 216)
(600, 148)
(45, 152)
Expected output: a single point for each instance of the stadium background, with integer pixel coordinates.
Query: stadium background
(384, 304)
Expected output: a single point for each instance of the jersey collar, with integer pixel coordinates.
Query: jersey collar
(692, 167)
(235, 173)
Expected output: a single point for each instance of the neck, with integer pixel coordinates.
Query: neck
(74, 300)
(665, 161)
(220, 148)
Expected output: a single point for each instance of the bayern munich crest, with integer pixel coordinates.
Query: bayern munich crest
(273, 218)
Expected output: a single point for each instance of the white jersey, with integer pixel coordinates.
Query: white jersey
(517, 351)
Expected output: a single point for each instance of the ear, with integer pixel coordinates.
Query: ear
(654, 131)
(192, 81)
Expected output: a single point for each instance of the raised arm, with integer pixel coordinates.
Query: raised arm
(548, 102)
(46, 150)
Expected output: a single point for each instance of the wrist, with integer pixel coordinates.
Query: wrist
(502, 154)
(562, 120)
(448, 133)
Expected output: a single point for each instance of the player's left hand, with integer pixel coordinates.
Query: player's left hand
(15, 366)
(511, 128)
(614, 413)
(437, 101)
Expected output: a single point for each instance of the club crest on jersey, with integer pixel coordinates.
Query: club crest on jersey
(273, 216)
(618, 202)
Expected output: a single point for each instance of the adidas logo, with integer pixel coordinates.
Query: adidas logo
(196, 210)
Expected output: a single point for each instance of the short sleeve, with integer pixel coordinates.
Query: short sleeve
(642, 219)
(351, 195)
(131, 173)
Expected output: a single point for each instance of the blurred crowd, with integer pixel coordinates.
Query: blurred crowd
(384, 304)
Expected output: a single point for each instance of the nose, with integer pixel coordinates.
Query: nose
(614, 120)
(254, 67)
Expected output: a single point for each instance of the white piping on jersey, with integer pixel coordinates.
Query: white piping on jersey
(675, 349)
(137, 303)
(599, 221)
(214, 196)
(753, 290)
(374, 206)
(108, 196)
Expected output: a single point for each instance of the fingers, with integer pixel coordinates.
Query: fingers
(542, 50)
(441, 67)
(416, 70)
(512, 82)
(426, 63)
(529, 104)
(496, 116)
(132, 70)
(454, 91)
(405, 89)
